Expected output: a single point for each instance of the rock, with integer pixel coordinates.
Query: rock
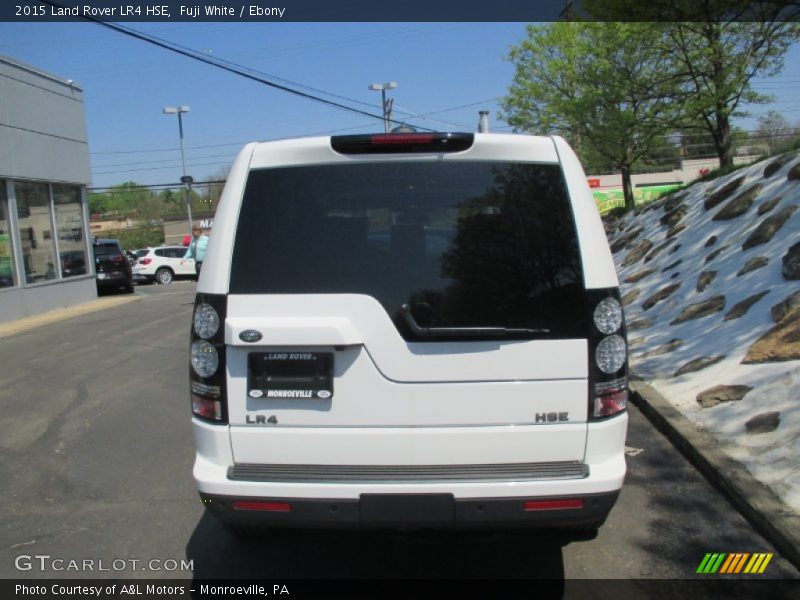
(794, 173)
(722, 393)
(767, 206)
(711, 241)
(739, 205)
(791, 263)
(776, 165)
(722, 193)
(698, 364)
(637, 253)
(628, 298)
(664, 348)
(657, 250)
(676, 230)
(781, 343)
(740, 308)
(786, 306)
(716, 253)
(675, 248)
(639, 324)
(698, 310)
(625, 240)
(672, 265)
(704, 279)
(673, 217)
(672, 201)
(751, 265)
(639, 275)
(769, 227)
(763, 422)
(660, 295)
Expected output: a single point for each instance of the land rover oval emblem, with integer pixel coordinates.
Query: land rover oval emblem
(250, 335)
(323, 394)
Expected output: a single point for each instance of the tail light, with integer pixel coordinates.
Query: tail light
(117, 259)
(608, 355)
(145, 261)
(207, 358)
(396, 143)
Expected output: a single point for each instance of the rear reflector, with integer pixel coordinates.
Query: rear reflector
(610, 403)
(553, 504)
(206, 408)
(396, 143)
(265, 506)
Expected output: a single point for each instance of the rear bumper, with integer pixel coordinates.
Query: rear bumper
(496, 500)
(113, 279)
(401, 511)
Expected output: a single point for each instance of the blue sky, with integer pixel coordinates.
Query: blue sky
(126, 83)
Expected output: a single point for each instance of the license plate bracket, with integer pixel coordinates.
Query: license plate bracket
(409, 510)
(290, 375)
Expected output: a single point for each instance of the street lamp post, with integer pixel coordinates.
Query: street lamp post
(387, 104)
(186, 179)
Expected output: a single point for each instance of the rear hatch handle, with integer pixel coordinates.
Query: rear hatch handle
(405, 310)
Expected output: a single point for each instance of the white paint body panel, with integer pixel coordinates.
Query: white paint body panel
(396, 402)
(364, 397)
(604, 456)
(598, 264)
(348, 319)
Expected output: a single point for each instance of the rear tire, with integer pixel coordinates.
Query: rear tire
(129, 288)
(164, 276)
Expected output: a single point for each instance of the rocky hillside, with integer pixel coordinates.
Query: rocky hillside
(710, 280)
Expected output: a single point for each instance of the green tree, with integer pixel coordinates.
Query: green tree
(126, 198)
(774, 132)
(98, 203)
(216, 183)
(713, 49)
(601, 85)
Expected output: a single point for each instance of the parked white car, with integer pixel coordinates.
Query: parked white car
(162, 264)
(411, 331)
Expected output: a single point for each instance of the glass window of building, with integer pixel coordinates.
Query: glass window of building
(69, 225)
(7, 275)
(35, 231)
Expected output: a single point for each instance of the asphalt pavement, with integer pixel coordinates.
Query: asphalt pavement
(96, 455)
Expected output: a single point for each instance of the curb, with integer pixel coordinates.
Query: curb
(60, 314)
(756, 502)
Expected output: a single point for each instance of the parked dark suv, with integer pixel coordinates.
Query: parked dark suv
(112, 266)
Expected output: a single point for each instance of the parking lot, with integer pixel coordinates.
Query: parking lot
(96, 464)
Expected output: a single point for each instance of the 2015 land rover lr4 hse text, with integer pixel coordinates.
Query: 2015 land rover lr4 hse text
(409, 330)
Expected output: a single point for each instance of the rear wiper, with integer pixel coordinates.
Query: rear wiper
(405, 310)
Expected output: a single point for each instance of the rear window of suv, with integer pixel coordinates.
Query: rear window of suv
(106, 249)
(464, 244)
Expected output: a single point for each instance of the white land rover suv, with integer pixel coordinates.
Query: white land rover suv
(409, 330)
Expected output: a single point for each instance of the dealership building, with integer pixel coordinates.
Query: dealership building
(45, 258)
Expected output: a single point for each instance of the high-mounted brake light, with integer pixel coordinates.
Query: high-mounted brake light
(398, 143)
(402, 138)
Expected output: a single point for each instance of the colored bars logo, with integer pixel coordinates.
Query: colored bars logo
(734, 563)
